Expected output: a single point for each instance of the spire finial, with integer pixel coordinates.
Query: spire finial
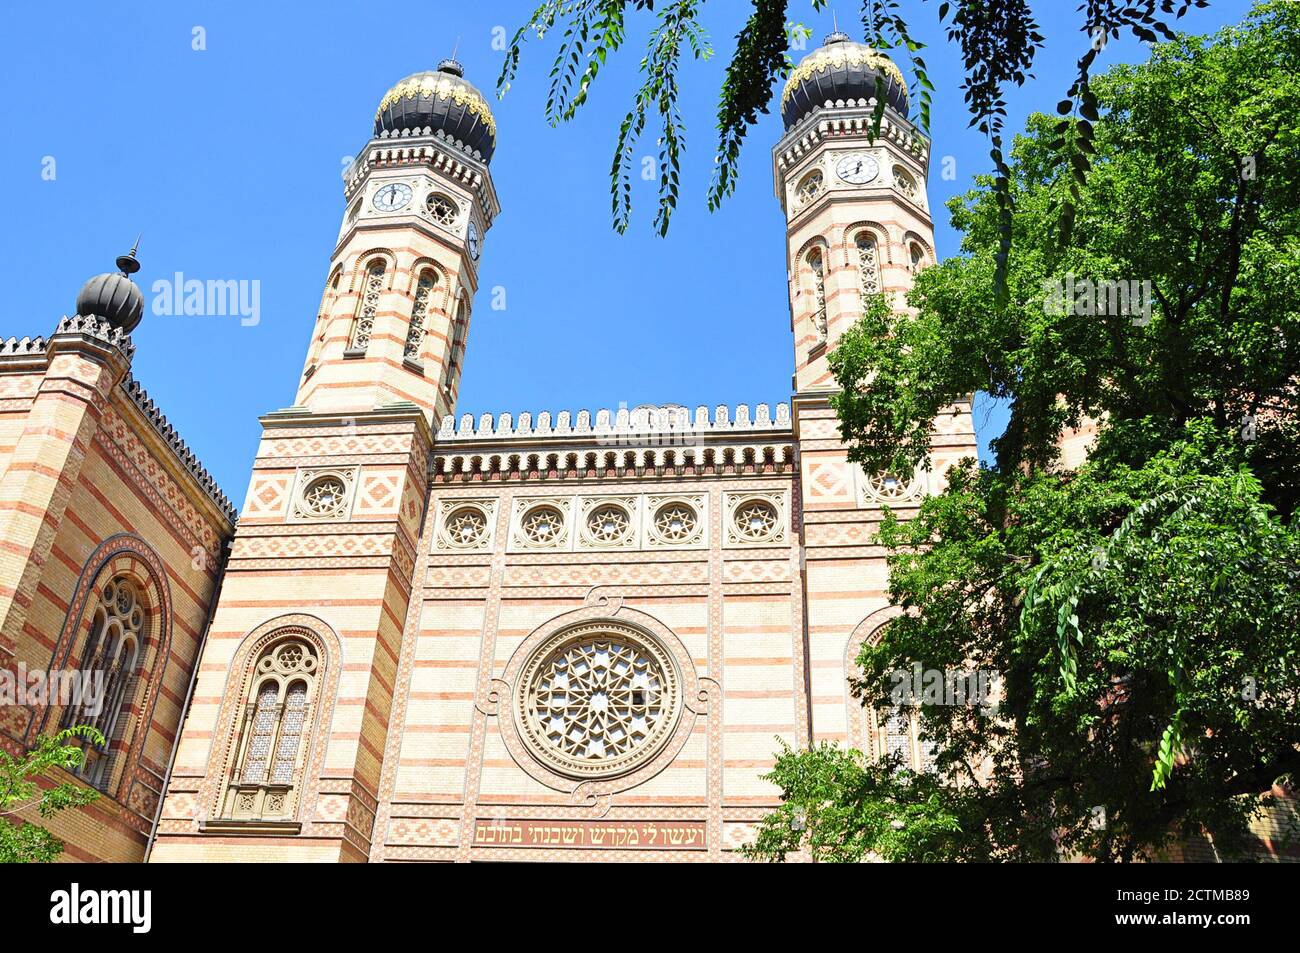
(127, 264)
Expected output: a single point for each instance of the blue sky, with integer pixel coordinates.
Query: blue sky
(228, 159)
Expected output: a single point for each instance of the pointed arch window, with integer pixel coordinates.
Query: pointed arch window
(455, 353)
(272, 749)
(419, 316)
(817, 264)
(368, 307)
(868, 264)
(109, 673)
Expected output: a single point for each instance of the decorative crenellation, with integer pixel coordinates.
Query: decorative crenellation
(184, 454)
(809, 134)
(636, 421)
(92, 327)
(22, 347)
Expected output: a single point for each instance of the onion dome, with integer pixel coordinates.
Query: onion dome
(841, 72)
(113, 296)
(443, 102)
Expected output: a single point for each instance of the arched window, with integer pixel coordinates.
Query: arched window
(271, 750)
(868, 264)
(364, 323)
(419, 315)
(916, 255)
(455, 353)
(897, 734)
(108, 674)
(817, 264)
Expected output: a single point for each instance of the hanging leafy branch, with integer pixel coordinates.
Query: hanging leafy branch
(998, 40)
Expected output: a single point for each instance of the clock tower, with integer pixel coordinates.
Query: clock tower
(857, 225)
(394, 315)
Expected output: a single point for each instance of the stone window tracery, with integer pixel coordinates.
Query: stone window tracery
(442, 209)
(817, 263)
(419, 314)
(810, 187)
(364, 323)
(609, 523)
(756, 520)
(467, 526)
(904, 182)
(271, 748)
(543, 524)
(110, 657)
(868, 264)
(597, 701)
(325, 497)
(675, 522)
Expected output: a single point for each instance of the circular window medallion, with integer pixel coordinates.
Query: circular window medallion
(324, 496)
(441, 208)
(598, 700)
(885, 487)
(675, 522)
(543, 524)
(756, 520)
(608, 524)
(466, 527)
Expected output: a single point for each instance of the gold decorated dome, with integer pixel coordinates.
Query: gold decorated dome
(443, 102)
(841, 73)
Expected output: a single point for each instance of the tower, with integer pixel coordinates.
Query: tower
(857, 224)
(285, 737)
(394, 315)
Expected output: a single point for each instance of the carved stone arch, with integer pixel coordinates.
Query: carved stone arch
(418, 268)
(367, 258)
(124, 554)
(910, 238)
(875, 229)
(603, 607)
(869, 629)
(322, 637)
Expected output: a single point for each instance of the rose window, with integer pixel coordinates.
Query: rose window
(544, 524)
(466, 527)
(756, 520)
(324, 497)
(887, 486)
(608, 524)
(441, 208)
(600, 701)
(675, 522)
(904, 182)
(810, 187)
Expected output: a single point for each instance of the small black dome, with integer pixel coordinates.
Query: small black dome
(442, 101)
(840, 71)
(113, 296)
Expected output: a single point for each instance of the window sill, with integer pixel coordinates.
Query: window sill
(251, 825)
(354, 352)
(412, 364)
(816, 351)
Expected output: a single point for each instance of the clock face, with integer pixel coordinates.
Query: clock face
(473, 241)
(857, 168)
(392, 197)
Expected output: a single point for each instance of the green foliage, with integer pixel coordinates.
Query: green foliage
(998, 40)
(22, 842)
(1143, 610)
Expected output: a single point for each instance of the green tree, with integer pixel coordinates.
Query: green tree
(21, 841)
(1142, 611)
